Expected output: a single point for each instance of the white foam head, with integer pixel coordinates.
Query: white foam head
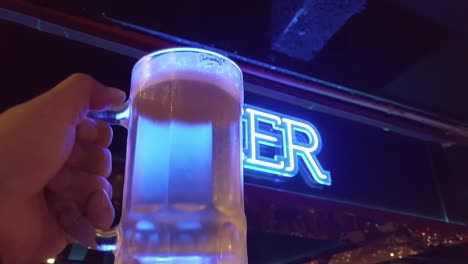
(189, 64)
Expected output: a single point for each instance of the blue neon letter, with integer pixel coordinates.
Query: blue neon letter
(307, 149)
(264, 131)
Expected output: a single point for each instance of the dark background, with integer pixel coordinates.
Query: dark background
(410, 51)
(370, 167)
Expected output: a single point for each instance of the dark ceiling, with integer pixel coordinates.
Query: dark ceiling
(410, 51)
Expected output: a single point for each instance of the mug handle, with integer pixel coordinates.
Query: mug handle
(114, 116)
(108, 240)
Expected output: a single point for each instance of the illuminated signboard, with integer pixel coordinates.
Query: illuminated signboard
(275, 144)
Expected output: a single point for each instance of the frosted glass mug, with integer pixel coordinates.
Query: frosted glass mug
(183, 187)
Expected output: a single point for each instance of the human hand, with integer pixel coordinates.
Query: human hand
(53, 169)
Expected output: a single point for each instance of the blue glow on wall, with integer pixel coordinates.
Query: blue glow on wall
(275, 143)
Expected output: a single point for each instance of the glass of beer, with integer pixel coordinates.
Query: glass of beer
(183, 187)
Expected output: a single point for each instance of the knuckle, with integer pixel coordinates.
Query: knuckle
(101, 182)
(105, 131)
(83, 77)
(107, 155)
(107, 161)
(104, 184)
(82, 81)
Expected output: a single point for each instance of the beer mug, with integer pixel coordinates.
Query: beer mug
(183, 184)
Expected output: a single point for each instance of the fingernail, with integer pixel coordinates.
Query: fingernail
(117, 94)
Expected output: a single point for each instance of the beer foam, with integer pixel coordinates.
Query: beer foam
(147, 74)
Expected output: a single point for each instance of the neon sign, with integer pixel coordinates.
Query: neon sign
(274, 144)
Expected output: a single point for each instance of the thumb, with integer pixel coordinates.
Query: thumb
(75, 96)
